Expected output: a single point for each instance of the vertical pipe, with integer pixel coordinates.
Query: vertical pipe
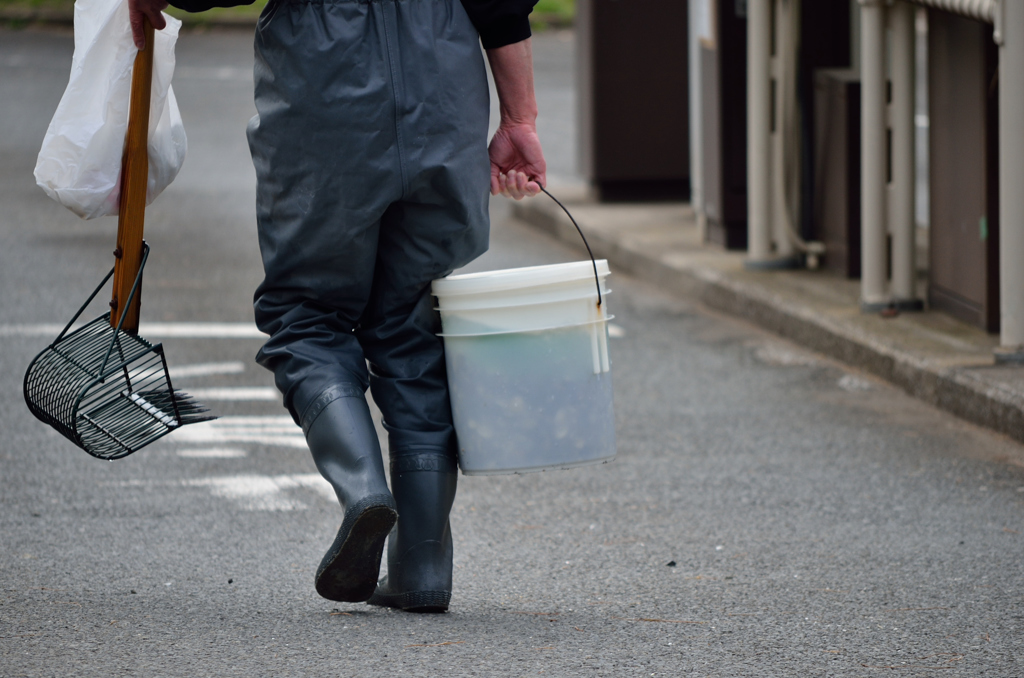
(1011, 171)
(585, 91)
(873, 155)
(855, 36)
(922, 194)
(759, 131)
(902, 194)
(696, 121)
(784, 43)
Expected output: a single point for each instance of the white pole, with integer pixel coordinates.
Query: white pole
(1011, 183)
(902, 206)
(779, 207)
(759, 131)
(696, 121)
(873, 156)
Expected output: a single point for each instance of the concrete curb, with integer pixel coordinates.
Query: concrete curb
(951, 389)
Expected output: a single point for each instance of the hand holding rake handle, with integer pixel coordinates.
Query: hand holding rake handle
(134, 181)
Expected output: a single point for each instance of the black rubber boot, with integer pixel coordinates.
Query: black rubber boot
(347, 453)
(420, 548)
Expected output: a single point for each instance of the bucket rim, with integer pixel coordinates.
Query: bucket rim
(580, 288)
(525, 277)
(564, 466)
(516, 305)
(467, 335)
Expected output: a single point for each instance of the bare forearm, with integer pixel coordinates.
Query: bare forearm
(517, 160)
(512, 67)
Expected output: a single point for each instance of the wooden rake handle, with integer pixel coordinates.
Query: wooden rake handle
(131, 214)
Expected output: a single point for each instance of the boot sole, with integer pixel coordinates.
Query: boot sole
(348, 572)
(413, 601)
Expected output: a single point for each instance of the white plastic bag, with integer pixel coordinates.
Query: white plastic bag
(79, 164)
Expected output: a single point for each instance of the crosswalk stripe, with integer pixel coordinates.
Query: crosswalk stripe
(207, 369)
(236, 393)
(213, 453)
(265, 493)
(197, 330)
(271, 430)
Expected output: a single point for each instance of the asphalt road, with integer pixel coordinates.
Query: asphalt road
(770, 512)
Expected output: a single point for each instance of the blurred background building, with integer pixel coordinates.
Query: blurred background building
(882, 141)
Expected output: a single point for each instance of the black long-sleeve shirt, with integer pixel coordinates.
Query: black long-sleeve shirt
(499, 22)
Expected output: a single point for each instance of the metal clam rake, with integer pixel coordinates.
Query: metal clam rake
(105, 389)
(102, 386)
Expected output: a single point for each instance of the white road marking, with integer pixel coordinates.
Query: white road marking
(30, 330)
(265, 493)
(777, 354)
(213, 453)
(202, 330)
(848, 382)
(236, 393)
(16, 60)
(207, 369)
(616, 331)
(169, 330)
(220, 73)
(273, 430)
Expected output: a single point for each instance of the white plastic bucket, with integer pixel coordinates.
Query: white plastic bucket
(528, 367)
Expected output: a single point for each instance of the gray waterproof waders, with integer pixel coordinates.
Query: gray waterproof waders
(370, 148)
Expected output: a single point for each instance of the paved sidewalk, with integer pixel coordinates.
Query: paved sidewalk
(930, 355)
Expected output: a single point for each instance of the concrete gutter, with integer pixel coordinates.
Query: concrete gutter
(929, 355)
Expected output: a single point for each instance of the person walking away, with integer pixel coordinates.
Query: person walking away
(373, 169)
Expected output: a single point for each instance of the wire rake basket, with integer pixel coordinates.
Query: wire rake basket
(106, 389)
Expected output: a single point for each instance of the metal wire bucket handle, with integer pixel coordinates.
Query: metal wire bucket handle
(586, 244)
